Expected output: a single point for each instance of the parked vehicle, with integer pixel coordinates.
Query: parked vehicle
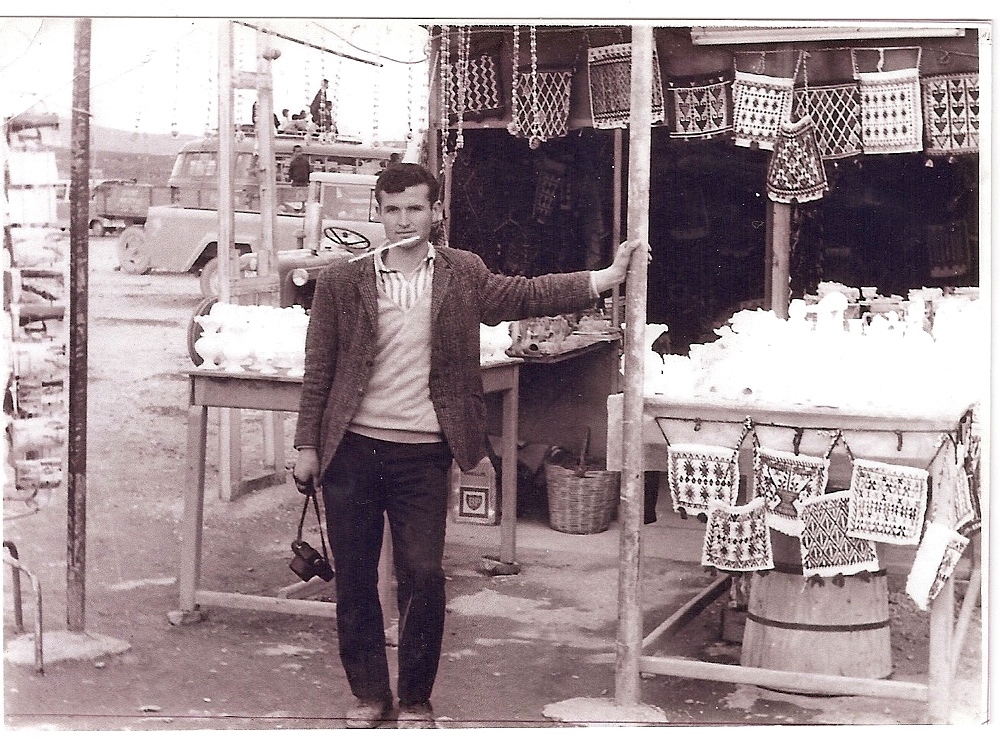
(117, 204)
(181, 236)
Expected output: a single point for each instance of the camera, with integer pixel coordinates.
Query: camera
(308, 562)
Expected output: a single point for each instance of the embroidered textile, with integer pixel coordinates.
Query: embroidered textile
(951, 113)
(887, 502)
(891, 120)
(551, 178)
(795, 172)
(827, 550)
(610, 71)
(836, 112)
(937, 556)
(701, 108)
(481, 92)
(952, 503)
(548, 116)
(781, 479)
(947, 249)
(698, 474)
(737, 538)
(760, 104)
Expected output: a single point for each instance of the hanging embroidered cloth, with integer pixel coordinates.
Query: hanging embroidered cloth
(826, 548)
(543, 112)
(836, 112)
(951, 113)
(937, 556)
(887, 502)
(952, 503)
(891, 120)
(760, 104)
(700, 107)
(698, 474)
(795, 172)
(480, 95)
(736, 538)
(781, 479)
(609, 70)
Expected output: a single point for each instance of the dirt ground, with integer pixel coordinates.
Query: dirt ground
(513, 644)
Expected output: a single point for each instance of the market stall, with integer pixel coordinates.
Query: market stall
(784, 439)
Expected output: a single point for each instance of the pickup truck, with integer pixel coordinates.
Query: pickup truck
(118, 204)
(336, 213)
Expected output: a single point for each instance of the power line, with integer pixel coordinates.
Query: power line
(308, 44)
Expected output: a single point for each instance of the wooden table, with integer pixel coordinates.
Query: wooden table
(216, 389)
(908, 438)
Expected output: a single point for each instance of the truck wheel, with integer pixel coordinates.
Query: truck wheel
(209, 277)
(133, 252)
(97, 229)
(195, 330)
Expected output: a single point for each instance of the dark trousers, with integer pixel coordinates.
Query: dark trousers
(409, 484)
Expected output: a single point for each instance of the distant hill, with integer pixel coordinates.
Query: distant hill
(121, 154)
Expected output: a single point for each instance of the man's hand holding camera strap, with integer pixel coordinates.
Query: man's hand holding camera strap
(310, 493)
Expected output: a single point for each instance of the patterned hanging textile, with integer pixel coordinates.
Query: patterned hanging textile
(836, 112)
(795, 172)
(951, 113)
(781, 479)
(698, 474)
(481, 94)
(937, 556)
(891, 120)
(826, 548)
(737, 538)
(609, 71)
(952, 503)
(551, 176)
(887, 502)
(544, 112)
(700, 106)
(760, 104)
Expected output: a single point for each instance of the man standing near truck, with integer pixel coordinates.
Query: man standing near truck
(298, 167)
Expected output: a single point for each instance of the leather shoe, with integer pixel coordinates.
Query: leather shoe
(368, 714)
(415, 716)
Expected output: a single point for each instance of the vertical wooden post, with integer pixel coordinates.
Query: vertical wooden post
(230, 449)
(629, 644)
(79, 193)
(779, 248)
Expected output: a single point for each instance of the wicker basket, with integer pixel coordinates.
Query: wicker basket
(581, 504)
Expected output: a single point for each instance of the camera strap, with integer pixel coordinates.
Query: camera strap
(302, 519)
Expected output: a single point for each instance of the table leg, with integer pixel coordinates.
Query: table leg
(194, 504)
(230, 454)
(508, 477)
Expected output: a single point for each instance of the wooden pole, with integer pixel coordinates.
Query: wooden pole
(779, 251)
(226, 159)
(230, 441)
(79, 194)
(267, 257)
(629, 645)
(616, 219)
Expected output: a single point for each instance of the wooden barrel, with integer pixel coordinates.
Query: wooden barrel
(799, 626)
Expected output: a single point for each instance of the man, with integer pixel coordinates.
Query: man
(298, 167)
(391, 393)
(318, 108)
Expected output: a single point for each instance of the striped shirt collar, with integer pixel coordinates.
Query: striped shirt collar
(428, 260)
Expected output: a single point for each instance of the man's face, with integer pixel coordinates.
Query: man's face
(408, 213)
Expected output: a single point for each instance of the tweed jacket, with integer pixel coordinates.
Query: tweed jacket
(340, 344)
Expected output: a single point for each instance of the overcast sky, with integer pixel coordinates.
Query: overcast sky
(154, 75)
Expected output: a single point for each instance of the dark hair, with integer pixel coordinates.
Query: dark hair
(296, 147)
(397, 177)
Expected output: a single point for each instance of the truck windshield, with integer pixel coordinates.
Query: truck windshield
(349, 202)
